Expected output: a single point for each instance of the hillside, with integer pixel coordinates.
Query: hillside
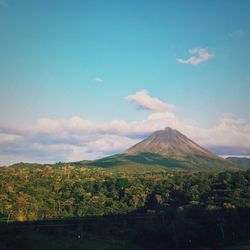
(244, 162)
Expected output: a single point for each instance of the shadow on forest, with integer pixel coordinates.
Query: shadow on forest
(158, 229)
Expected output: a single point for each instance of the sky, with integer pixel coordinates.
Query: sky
(84, 79)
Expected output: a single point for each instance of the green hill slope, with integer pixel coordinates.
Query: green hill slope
(151, 160)
(244, 162)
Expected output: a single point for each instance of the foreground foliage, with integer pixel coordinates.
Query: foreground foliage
(47, 192)
(135, 207)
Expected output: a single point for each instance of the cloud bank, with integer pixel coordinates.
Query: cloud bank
(77, 138)
(198, 55)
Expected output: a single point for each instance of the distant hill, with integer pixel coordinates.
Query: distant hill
(244, 162)
(167, 148)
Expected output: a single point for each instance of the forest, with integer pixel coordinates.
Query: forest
(180, 209)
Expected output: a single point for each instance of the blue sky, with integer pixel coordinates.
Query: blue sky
(62, 59)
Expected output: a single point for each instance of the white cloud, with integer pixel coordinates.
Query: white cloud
(198, 55)
(99, 79)
(230, 131)
(74, 139)
(111, 143)
(146, 102)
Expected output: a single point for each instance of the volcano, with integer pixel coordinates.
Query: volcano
(169, 142)
(167, 148)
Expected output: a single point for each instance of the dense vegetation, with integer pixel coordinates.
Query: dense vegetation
(38, 193)
(178, 209)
